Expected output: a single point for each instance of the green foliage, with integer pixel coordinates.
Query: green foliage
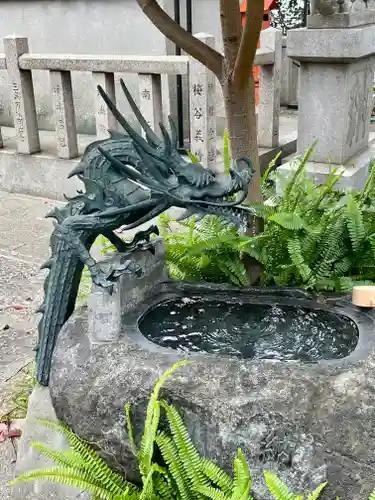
(314, 236)
(280, 491)
(183, 475)
(226, 153)
(193, 158)
(207, 250)
(79, 467)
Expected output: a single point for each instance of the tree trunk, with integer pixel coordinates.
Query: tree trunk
(242, 127)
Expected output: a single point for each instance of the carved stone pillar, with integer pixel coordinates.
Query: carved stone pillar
(337, 63)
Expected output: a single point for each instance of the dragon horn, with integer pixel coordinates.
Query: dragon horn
(125, 125)
(167, 141)
(152, 138)
(172, 124)
(130, 172)
(151, 166)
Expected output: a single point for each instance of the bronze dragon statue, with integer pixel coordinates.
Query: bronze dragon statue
(128, 181)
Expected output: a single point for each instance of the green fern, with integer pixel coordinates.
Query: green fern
(277, 488)
(184, 475)
(208, 250)
(79, 467)
(280, 491)
(314, 236)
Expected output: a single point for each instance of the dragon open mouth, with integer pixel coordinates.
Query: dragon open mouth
(160, 168)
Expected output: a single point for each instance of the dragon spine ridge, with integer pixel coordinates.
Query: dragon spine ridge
(128, 181)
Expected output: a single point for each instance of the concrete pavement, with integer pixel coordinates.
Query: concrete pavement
(23, 247)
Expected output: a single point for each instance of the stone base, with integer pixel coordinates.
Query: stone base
(306, 422)
(355, 171)
(28, 459)
(341, 20)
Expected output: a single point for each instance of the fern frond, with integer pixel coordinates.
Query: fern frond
(317, 492)
(187, 452)
(90, 461)
(67, 458)
(146, 448)
(295, 252)
(287, 220)
(172, 459)
(261, 210)
(242, 478)
(295, 178)
(216, 475)
(74, 478)
(193, 158)
(370, 183)
(277, 488)
(372, 495)
(354, 221)
(212, 493)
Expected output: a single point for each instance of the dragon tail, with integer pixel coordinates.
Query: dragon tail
(60, 292)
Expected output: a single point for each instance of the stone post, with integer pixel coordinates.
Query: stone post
(104, 118)
(337, 57)
(66, 131)
(109, 314)
(23, 100)
(270, 90)
(289, 80)
(202, 94)
(151, 100)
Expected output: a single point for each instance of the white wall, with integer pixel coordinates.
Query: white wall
(76, 26)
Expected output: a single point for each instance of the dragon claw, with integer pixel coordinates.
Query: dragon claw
(106, 274)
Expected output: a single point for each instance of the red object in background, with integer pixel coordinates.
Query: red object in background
(268, 6)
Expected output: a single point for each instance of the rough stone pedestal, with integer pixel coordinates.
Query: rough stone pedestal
(336, 97)
(40, 407)
(308, 423)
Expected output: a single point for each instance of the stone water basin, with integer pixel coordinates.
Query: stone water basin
(254, 324)
(288, 378)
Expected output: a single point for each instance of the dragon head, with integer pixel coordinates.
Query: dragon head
(173, 178)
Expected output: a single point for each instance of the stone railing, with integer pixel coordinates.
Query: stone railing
(19, 64)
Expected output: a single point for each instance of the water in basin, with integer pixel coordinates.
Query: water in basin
(250, 331)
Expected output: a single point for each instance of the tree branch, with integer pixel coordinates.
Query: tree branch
(249, 42)
(209, 57)
(230, 18)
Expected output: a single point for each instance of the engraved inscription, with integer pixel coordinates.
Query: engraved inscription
(18, 117)
(199, 135)
(198, 113)
(146, 95)
(198, 89)
(199, 155)
(60, 122)
(359, 104)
